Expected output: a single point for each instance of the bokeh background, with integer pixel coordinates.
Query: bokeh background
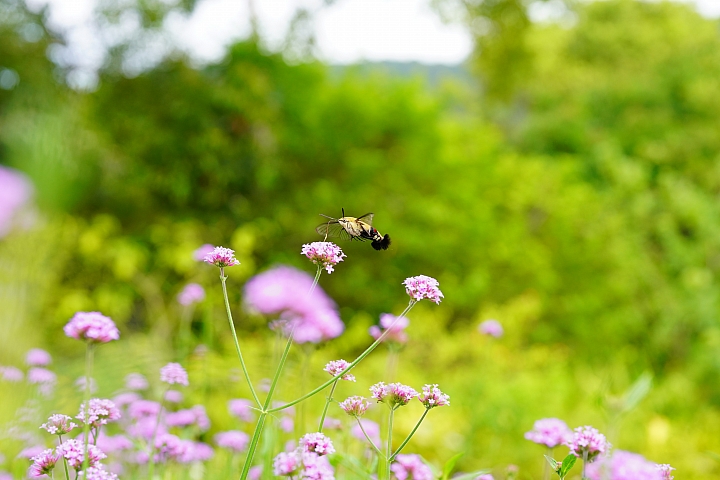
(564, 179)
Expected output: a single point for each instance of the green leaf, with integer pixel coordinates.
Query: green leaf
(553, 463)
(471, 475)
(450, 464)
(567, 464)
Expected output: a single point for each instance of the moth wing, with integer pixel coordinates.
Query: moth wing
(332, 229)
(367, 218)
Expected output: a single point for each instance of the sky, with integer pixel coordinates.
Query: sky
(347, 31)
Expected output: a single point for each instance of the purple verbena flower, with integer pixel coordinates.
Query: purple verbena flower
(126, 398)
(38, 375)
(97, 472)
(587, 439)
(144, 408)
(136, 381)
(30, 452)
(191, 293)
(100, 412)
(355, 406)
(334, 367)
(92, 327)
(221, 257)
(485, 476)
(492, 328)
(44, 463)
(550, 432)
(242, 409)
(11, 374)
(324, 254)
(431, 397)
(423, 286)
(202, 251)
(58, 424)
(411, 467)
(666, 471)
(332, 424)
(173, 396)
(284, 291)
(174, 373)
(73, 451)
(623, 465)
(37, 357)
(255, 472)
(395, 325)
(15, 192)
(233, 440)
(316, 442)
(316, 467)
(286, 463)
(394, 394)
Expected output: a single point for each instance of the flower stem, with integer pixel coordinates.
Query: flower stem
(368, 438)
(223, 278)
(327, 404)
(317, 278)
(388, 456)
(351, 366)
(585, 461)
(67, 474)
(407, 439)
(89, 351)
(546, 468)
(253, 445)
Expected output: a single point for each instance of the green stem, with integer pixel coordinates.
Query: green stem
(253, 445)
(327, 404)
(317, 278)
(546, 469)
(368, 438)
(89, 351)
(67, 473)
(388, 455)
(351, 366)
(585, 462)
(223, 278)
(407, 439)
(261, 419)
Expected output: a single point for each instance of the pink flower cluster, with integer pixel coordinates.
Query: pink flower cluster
(334, 368)
(587, 439)
(411, 467)
(624, 466)
(174, 373)
(58, 424)
(242, 409)
(233, 440)
(92, 327)
(317, 443)
(423, 286)
(191, 293)
(37, 357)
(284, 291)
(221, 257)
(550, 432)
(100, 412)
(303, 465)
(666, 471)
(394, 394)
(44, 463)
(492, 328)
(97, 472)
(324, 254)
(15, 192)
(395, 325)
(355, 406)
(431, 397)
(73, 451)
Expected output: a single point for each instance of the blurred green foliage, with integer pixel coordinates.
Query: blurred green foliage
(573, 197)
